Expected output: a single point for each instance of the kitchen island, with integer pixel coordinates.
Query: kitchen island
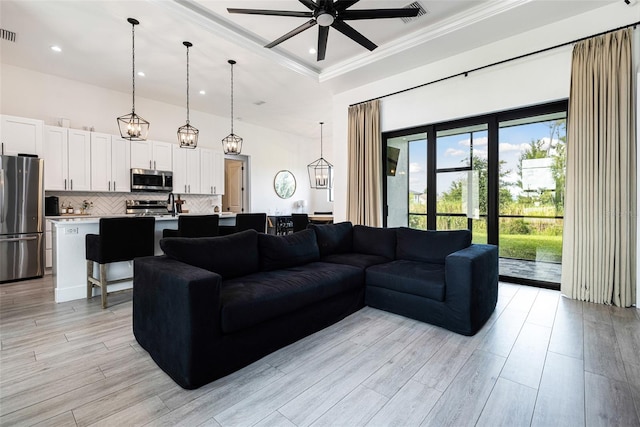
(69, 257)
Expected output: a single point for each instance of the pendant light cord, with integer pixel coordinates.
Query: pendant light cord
(321, 123)
(133, 67)
(187, 84)
(231, 99)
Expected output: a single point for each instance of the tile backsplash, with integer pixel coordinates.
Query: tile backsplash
(114, 203)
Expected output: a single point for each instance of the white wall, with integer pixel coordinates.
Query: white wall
(533, 80)
(27, 93)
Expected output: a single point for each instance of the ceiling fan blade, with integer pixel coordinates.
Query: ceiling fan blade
(292, 33)
(323, 35)
(408, 12)
(354, 35)
(310, 4)
(272, 12)
(341, 5)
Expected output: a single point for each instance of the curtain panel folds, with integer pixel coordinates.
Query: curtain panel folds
(599, 241)
(364, 188)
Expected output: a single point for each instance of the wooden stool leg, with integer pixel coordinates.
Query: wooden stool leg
(89, 284)
(103, 284)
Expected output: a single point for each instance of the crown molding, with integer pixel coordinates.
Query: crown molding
(455, 23)
(226, 29)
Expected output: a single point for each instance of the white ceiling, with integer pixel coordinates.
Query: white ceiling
(294, 89)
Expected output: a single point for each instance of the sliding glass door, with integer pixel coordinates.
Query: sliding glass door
(500, 176)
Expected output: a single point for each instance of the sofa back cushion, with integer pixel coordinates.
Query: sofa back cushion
(334, 238)
(374, 241)
(277, 252)
(430, 246)
(230, 256)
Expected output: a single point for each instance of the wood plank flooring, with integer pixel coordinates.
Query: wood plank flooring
(541, 360)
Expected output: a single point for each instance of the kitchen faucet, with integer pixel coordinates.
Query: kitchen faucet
(171, 201)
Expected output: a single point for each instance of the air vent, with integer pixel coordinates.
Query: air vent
(7, 35)
(414, 5)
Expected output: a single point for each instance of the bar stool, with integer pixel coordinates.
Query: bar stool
(248, 221)
(300, 221)
(120, 239)
(194, 226)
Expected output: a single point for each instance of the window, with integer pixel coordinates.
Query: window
(499, 175)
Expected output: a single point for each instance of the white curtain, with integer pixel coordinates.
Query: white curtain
(599, 242)
(364, 195)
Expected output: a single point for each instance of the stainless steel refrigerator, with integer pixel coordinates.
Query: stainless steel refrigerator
(21, 218)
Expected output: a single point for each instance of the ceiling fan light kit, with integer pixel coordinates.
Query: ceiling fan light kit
(232, 143)
(187, 134)
(330, 13)
(132, 126)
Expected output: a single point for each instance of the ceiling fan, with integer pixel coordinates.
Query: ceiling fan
(330, 13)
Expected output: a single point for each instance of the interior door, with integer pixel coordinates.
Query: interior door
(234, 188)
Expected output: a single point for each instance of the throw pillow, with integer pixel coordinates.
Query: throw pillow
(230, 256)
(430, 246)
(334, 238)
(277, 252)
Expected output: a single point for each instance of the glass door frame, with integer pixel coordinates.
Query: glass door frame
(493, 158)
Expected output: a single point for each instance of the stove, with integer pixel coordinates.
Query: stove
(146, 207)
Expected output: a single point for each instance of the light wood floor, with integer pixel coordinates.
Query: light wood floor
(541, 360)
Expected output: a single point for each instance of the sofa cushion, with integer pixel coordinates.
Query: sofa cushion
(230, 256)
(295, 249)
(409, 277)
(430, 246)
(249, 300)
(354, 259)
(334, 238)
(374, 241)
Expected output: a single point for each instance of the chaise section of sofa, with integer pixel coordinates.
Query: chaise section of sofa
(438, 277)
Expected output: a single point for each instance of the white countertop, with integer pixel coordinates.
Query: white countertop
(90, 219)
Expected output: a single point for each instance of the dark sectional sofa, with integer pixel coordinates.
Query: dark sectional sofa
(211, 306)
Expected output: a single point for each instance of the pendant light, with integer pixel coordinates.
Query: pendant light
(132, 126)
(187, 134)
(320, 171)
(232, 143)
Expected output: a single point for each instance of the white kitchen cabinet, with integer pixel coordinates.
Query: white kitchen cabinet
(67, 155)
(20, 135)
(151, 155)
(110, 163)
(211, 171)
(186, 170)
(100, 162)
(120, 165)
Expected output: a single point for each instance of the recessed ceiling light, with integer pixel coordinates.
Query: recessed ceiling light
(312, 51)
(202, 92)
(56, 48)
(141, 73)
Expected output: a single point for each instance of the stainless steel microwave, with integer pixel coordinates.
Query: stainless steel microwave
(151, 180)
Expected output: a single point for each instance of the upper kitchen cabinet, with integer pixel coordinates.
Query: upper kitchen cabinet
(186, 170)
(151, 155)
(211, 171)
(110, 163)
(19, 135)
(67, 154)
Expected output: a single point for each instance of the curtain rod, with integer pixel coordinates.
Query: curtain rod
(465, 73)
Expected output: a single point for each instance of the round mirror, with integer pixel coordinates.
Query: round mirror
(285, 184)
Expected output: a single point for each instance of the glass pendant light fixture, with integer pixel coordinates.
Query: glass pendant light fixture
(187, 134)
(232, 143)
(132, 126)
(320, 171)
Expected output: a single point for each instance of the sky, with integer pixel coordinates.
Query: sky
(453, 150)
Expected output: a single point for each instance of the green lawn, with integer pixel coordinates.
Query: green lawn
(528, 246)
